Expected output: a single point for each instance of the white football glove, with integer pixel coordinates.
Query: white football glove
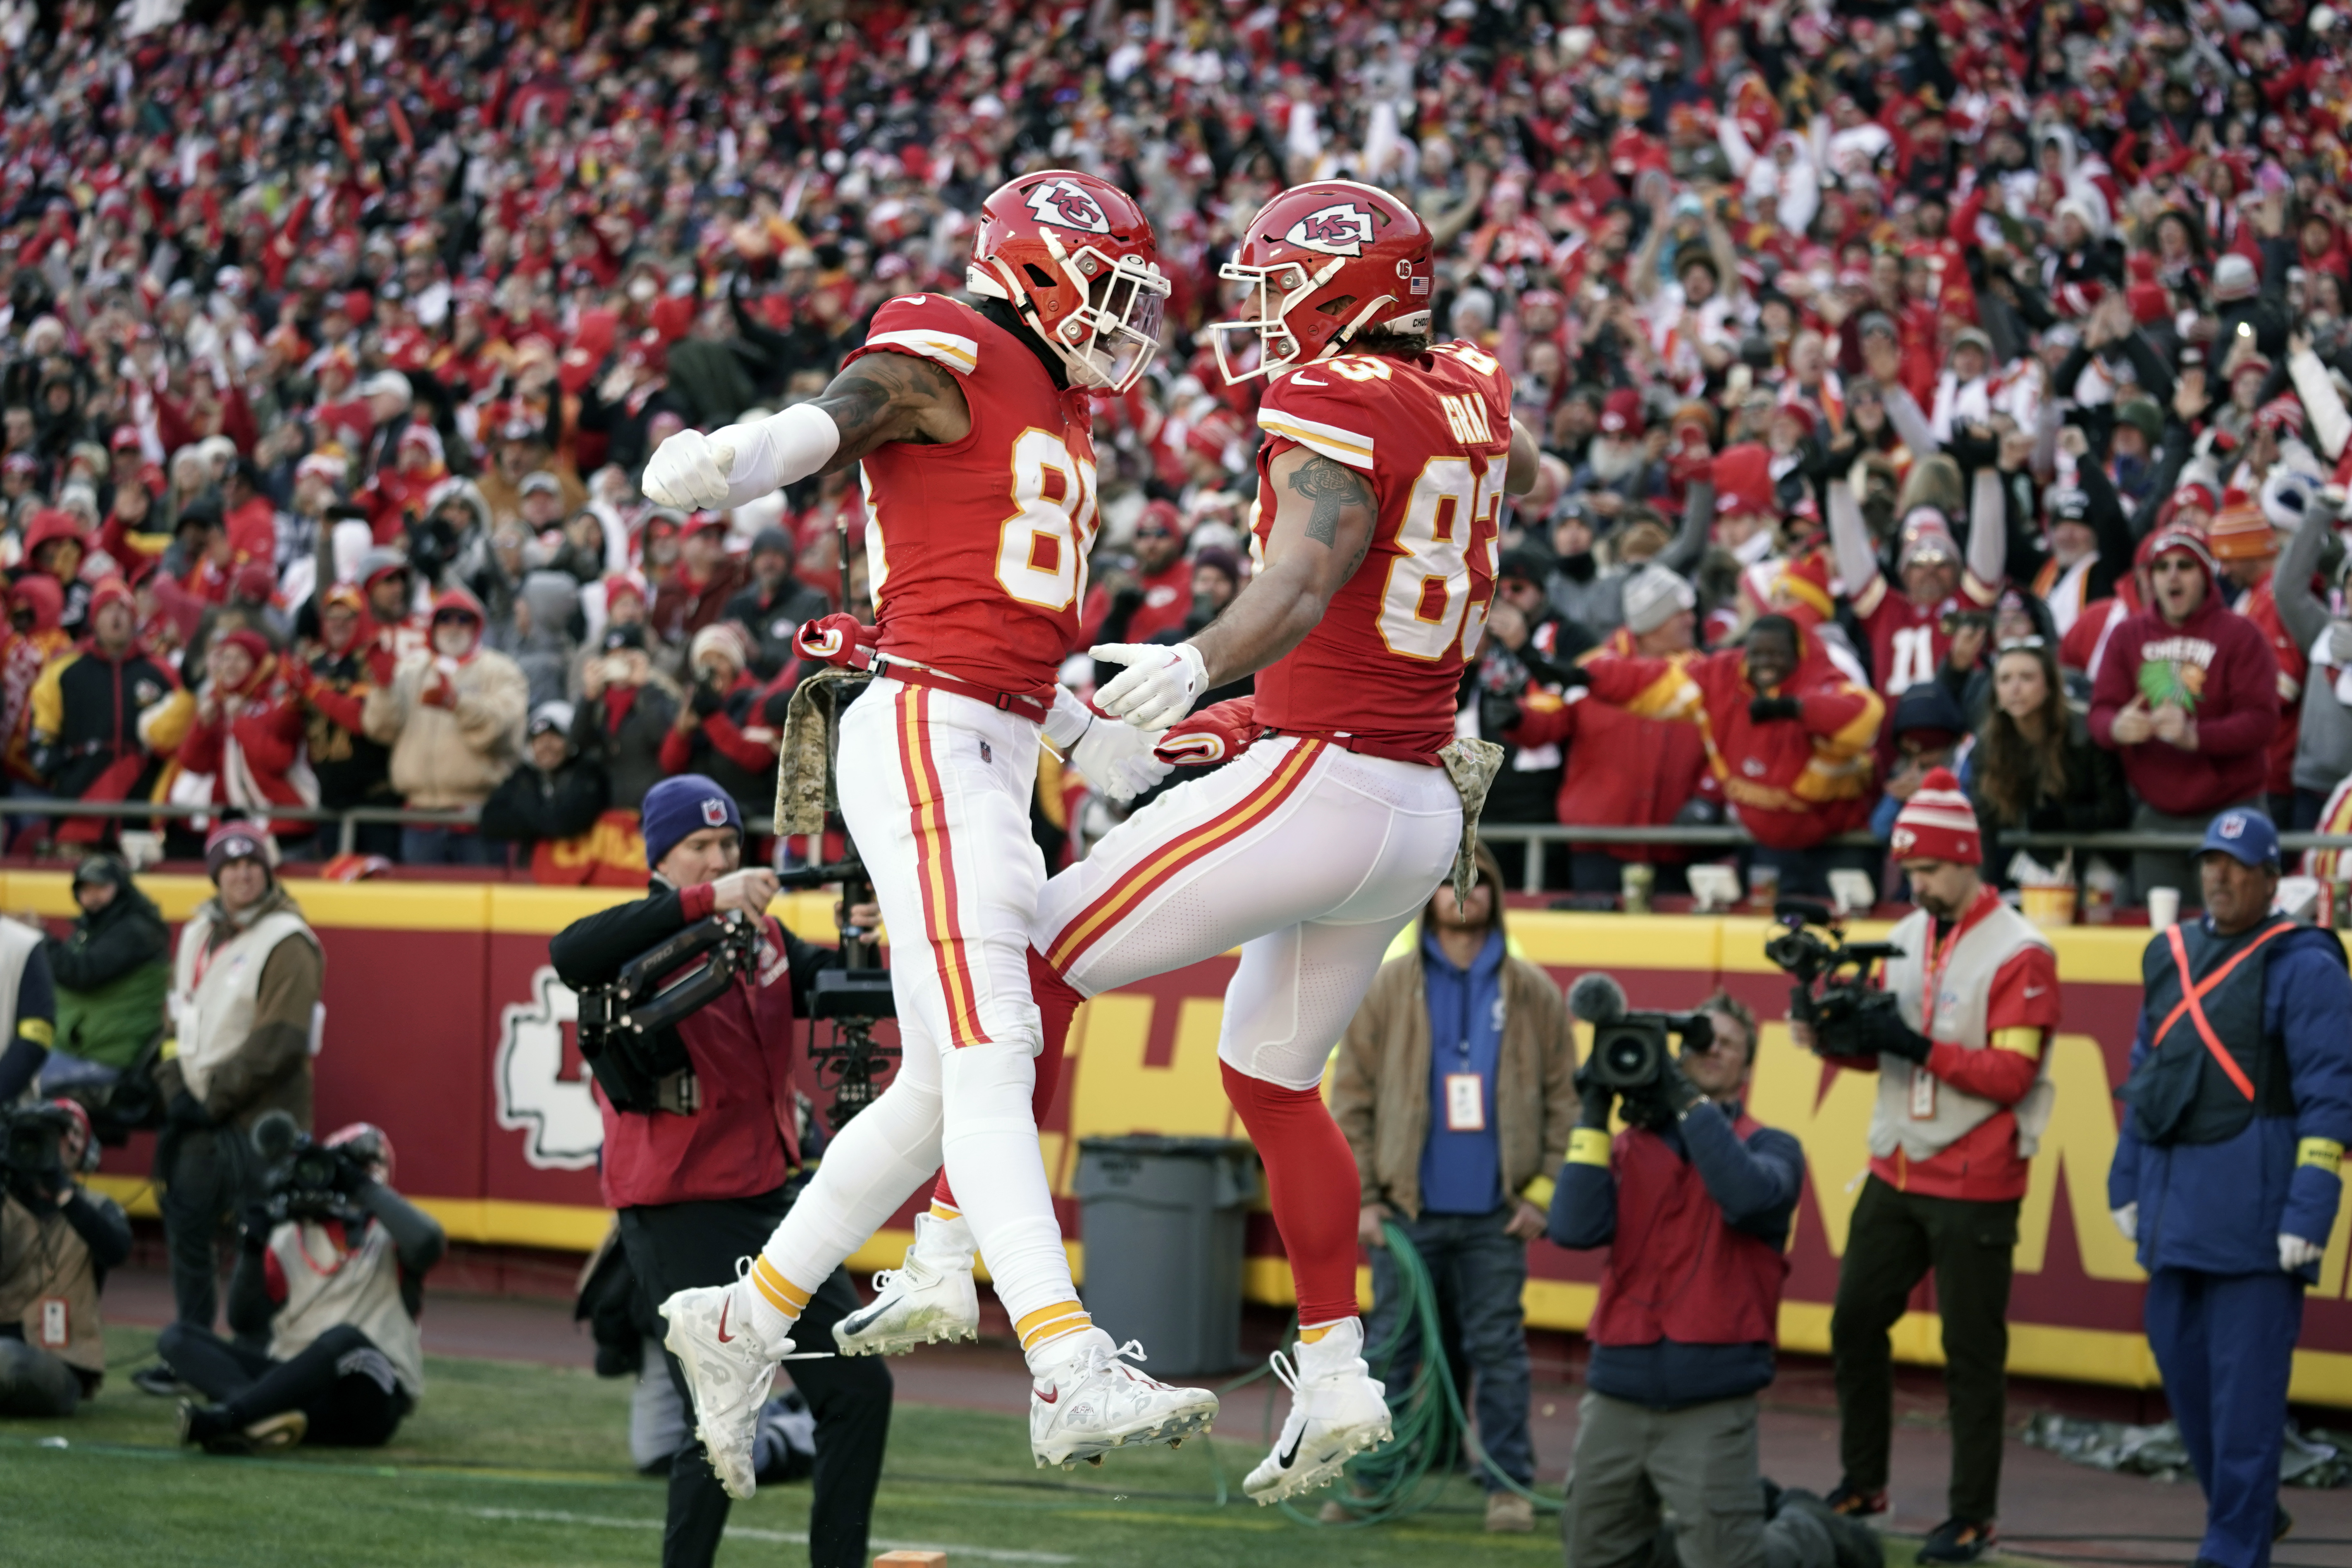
(688, 472)
(1116, 758)
(1158, 685)
(2127, 1220)
(2294, 1252)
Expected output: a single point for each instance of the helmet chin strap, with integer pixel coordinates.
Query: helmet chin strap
(1356, 324)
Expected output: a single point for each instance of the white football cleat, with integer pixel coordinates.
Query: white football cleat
(929, 1298)
(729, 1371)
(1337, 1410)
(1095, 1402)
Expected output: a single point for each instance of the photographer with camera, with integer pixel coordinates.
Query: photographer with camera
(244, 997)
(57, 1242)
(701, 1142)
(1694, 1201)
(1956, 1032)
(333, 1271)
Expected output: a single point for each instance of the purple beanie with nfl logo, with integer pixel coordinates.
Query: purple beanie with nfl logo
(679, 806)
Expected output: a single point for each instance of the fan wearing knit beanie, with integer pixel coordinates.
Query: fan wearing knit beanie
(1957, 1044)
(1910, 622)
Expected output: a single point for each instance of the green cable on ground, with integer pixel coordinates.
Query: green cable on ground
(1396, 1479)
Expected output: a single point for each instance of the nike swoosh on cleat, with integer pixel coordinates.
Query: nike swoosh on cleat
(1286, 1461)
(1045, 1398)
(724, 1336)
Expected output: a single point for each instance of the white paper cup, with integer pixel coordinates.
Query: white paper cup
(2163, 908)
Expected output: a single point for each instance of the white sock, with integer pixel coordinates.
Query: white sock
(989, 1140)
(890, 1149)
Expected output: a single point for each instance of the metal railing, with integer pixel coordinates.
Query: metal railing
(347, 819)
(1538, 834)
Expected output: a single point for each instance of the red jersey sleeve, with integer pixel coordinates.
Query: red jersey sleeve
(2019, 1013)
(929, 326)
(1324, 410)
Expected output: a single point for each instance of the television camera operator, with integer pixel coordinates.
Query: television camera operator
(1957, 1032)
(702, 1140)
(1694, 1201)
(57, 1242)
(333, 1271)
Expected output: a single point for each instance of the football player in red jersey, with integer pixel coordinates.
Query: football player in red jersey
(1380, 482)
(974, 430)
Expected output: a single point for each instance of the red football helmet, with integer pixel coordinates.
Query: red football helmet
(1076, 257)
(1324, 262)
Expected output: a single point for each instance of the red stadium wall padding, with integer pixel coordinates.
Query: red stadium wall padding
(445, 1025)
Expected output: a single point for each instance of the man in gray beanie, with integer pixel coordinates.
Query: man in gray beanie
(1661, 613)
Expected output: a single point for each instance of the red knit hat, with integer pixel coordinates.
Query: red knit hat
(1743, 480)
(2240, 531)
(1808, 580)
(1937, 824)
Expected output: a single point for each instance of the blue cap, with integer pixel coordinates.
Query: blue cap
(684, 804)
(2245, 836)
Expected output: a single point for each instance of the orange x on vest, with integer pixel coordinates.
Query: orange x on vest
(2192, 1002)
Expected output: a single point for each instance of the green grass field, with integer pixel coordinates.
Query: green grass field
(513, 1464)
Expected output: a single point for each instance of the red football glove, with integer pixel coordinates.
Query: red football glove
(1212, 735)
(836, 639)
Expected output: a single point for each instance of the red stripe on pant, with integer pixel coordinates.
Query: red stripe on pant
(1312, 1186)
(1057, 1000)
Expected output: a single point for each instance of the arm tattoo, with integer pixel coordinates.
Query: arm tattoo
(1333, 487)
(881, 398)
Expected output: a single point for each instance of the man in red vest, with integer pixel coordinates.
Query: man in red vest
(1694, 1201)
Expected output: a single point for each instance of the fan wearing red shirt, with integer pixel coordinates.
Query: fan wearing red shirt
(1911, 630)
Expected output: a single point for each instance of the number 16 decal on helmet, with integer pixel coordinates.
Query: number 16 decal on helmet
(1077, 257)
(1324, 263)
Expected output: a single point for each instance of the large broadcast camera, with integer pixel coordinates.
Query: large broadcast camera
(1629, 1048)
(32, 1153)
(302, 1178)
(845, 1003)
(1832, 974)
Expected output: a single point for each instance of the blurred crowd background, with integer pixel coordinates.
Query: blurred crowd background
(336, 336)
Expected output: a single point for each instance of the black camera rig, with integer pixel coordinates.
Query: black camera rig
(32, 1153)
(628, 1028)
(1629, 1047)
(302, 1178)
(1831, 975)
(844, 1004)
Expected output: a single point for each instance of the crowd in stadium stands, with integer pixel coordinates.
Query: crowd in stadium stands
(1919, 386)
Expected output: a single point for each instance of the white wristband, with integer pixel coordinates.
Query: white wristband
(1067, 721)
(779, 450)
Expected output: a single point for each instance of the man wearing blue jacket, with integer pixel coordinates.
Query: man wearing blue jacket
(1694, 1201)
(2226, 1172)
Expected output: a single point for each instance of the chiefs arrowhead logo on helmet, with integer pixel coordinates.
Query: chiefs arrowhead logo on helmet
(1341, 230)
(1065, 205)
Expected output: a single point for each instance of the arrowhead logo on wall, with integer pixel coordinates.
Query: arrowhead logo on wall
(557, 1113)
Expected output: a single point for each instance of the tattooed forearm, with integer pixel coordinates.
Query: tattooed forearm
(887, 397)
(1333, 487)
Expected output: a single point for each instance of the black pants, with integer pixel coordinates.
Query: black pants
(346, 1408)
(208, 1177)
(1895, 1238)
(678, 1246)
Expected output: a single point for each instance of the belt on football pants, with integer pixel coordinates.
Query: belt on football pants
(1364, 745)
(842, 640)
(1029, 705)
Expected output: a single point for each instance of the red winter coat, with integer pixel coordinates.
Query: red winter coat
(1624, 770)
(252, 749)
(1795, 782)
(2261, 607)
(2218, 665)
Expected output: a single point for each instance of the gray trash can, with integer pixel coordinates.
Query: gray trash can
(1162, 1221)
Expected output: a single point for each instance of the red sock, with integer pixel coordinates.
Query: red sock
(1310, 1178)
(1057, 1000)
